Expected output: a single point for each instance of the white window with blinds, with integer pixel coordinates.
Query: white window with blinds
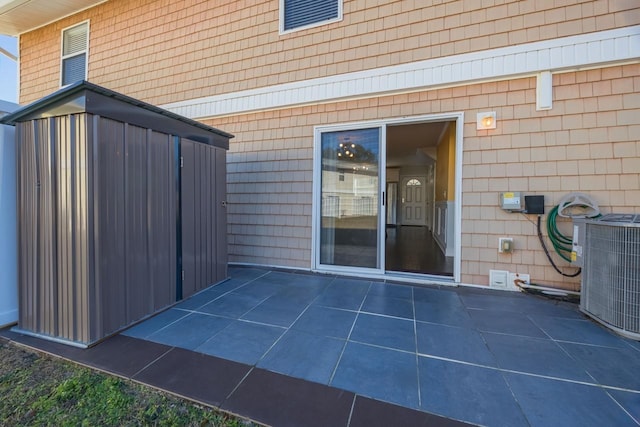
(75, 49)
(301, 14)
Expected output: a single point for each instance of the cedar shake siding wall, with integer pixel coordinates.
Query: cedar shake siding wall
(170, 51)
(588, 142)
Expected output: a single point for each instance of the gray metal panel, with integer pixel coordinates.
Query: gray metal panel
(136, 223)
(207, 174)
(79, 254)
(189, 217)
(161, 202)
(207, 214)
(54, 274)
(204, 248)
(110, 224)
(45, 226)
(221, 214)
(137, 214)
(61, 229)
(198, 220)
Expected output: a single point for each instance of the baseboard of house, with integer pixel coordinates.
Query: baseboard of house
(396, 277)
(269, 266)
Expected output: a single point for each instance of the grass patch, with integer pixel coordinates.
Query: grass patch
(40, 390)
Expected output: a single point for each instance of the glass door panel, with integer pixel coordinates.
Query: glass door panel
(349, 198)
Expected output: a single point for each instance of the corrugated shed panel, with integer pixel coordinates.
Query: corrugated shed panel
(54, 275)
(68, 170)
(162, 208)
(44, 149)
(137, 223)
(208, 246)
(220, 211)
(110, 282)
(203, 227)
(189, 217)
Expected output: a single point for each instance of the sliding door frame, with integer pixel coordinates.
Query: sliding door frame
(379, 272)
(317, 199)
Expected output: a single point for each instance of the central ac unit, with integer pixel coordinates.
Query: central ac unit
(610, 256)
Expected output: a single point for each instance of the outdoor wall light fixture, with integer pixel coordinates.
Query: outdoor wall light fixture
(486, 120)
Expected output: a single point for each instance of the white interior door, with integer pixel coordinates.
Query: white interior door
(413, 200)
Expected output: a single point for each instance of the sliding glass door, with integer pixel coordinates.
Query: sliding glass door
(359, 173)
(350, 203)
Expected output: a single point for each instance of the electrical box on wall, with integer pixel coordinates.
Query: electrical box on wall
(511, 201)
(534, 204)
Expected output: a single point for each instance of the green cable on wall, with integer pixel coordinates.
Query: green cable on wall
(561, 243)
(573, 205)
(558, 240)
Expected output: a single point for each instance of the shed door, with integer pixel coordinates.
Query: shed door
(204, 216)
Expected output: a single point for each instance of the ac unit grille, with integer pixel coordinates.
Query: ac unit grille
(611, 276)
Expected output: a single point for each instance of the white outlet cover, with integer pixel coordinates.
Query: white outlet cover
(500, 243)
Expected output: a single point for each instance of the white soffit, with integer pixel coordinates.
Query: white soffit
(20, 16)
(562, 54)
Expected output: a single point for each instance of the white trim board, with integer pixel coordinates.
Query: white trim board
(590, 50)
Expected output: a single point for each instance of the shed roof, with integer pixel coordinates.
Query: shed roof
(86, 97)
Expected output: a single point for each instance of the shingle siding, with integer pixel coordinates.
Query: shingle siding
(165, 52)
(577, 146)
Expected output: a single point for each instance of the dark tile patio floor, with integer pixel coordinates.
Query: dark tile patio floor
(286, 348)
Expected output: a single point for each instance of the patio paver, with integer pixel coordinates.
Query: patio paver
(349, 352)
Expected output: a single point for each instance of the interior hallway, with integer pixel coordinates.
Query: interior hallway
(413, 249)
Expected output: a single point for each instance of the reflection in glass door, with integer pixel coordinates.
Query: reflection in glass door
(349, 198)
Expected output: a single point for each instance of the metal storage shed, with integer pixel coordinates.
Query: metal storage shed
(121, 211)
